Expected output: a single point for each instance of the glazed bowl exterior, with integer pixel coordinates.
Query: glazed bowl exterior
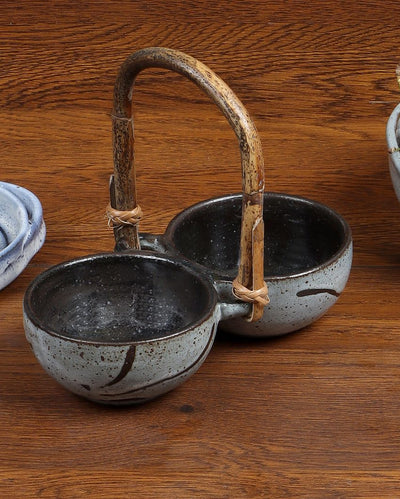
(307, 258)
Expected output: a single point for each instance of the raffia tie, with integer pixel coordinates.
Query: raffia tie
(118, 218)
(250, 296)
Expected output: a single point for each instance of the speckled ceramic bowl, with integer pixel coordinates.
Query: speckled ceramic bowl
(22, 230)
(123, 328)
(307, 256)
(393, 140)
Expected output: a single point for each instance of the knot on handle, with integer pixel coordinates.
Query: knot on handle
(118, 218)
(251, 296)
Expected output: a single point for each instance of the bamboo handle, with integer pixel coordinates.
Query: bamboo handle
(251, 264)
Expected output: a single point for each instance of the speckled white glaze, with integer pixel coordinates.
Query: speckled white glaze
(22, 230)
(297, 301)
(150, 368)
(392, 138)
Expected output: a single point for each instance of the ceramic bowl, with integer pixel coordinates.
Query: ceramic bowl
(123, 328)
(22, 230)
(393, 140)
(307, 256)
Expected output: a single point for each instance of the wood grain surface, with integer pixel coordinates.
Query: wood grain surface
(311, 415)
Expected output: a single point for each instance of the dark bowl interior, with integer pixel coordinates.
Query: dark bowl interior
(299, 234)
(118, 298)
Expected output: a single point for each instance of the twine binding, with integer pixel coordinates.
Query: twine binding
(119, 218)
(251, 296)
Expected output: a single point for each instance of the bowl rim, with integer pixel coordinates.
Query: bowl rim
(205, 280)
(219, 275)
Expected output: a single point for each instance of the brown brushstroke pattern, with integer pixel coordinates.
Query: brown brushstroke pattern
(129, 359)
(317, 291)
(112, 395)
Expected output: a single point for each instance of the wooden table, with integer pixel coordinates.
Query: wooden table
(315, 414)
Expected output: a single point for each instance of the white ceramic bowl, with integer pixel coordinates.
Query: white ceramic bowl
(123, 328)
(22, 230)
(392, 138)
(307, 256)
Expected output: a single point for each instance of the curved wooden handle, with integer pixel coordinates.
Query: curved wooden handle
(251, 265)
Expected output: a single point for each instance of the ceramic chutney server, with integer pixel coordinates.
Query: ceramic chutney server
(128, 326)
